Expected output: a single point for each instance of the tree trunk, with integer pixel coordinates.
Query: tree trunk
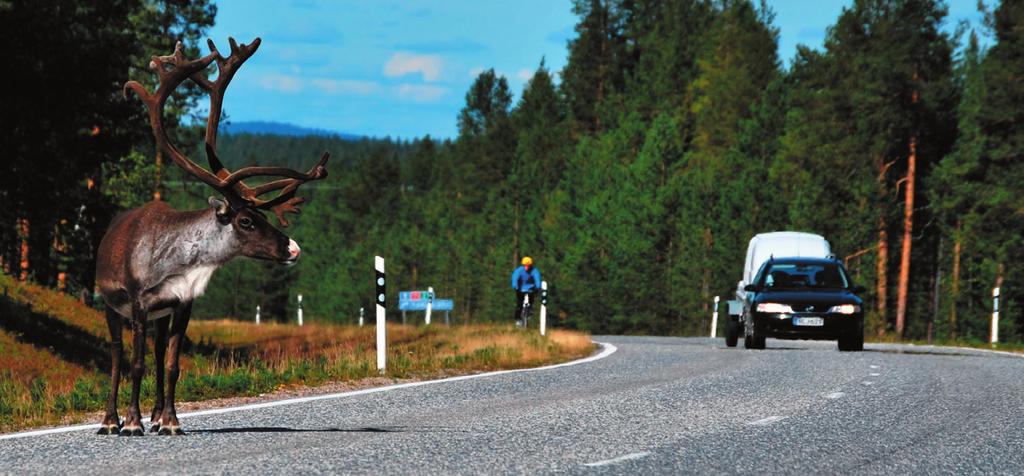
(159, 170)
(23, 263)
(936, 288)
(955, 285)
(882, 290)
(908, 227)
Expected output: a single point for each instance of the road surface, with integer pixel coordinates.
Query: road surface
(656, 405)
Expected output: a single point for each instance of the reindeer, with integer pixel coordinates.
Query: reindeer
(154, 260)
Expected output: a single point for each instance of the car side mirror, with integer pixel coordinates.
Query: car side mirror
(858, 289)
(752, 288)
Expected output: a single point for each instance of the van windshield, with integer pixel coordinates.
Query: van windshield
(805, 275)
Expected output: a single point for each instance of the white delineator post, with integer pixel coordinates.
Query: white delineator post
(360, 317)
(995, 316)
(714, 320)
(299, 312)
(430, 304)
(543, 307)
(257, 314)
(378, 264)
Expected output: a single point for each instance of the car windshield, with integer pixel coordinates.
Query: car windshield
(804, 275)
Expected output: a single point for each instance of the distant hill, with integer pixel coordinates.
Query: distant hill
(280, 129)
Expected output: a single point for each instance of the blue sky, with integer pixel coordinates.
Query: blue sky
(401, 69)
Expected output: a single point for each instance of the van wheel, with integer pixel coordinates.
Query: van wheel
(732, 332)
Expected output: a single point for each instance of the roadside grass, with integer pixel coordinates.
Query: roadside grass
(54, 356)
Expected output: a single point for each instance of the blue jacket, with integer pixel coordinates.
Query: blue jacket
(526, 281)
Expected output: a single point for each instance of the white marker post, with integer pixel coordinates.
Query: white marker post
(430, 304)
(378, 264)
(995, 316)
(360, 317)
(543, 307)
(300, 310)
(257, 314)
(714, 320)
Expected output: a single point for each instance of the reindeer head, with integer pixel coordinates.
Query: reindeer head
(242, 209)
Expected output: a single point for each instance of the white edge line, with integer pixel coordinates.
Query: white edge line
(1000, 352)
(608, 349)
(766, 421)
(620, 459)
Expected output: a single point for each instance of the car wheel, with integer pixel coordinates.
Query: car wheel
(732, 331)
(852, 342)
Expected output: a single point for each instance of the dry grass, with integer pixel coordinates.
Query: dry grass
(39, 385)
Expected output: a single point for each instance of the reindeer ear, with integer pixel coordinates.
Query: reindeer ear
(222, 209)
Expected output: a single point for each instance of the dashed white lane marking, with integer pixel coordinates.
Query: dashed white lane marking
(835, 395)
(766, 421)
(873, 366)
(874, 374)
(631, 456)
(607, 349)
(867, 382)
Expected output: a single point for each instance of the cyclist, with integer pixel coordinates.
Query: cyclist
(525, 281)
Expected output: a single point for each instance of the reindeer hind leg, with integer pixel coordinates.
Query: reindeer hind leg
(133, 419)
(111, 424)
(159, 349)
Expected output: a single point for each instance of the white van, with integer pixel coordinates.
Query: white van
(762, 247)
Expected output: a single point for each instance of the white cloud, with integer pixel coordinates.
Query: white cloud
(524, 74)
(346, 86)
(402, 64)
(282, 83)
(420, 92)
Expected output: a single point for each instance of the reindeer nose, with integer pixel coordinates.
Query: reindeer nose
(293, 249)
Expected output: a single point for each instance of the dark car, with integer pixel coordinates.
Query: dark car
(803, 298)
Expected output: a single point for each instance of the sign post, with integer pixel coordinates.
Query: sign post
(300, 310)
(378, 264)
(714, 320)
(361, 317)
(543, 307)
(995, 316)
(257, 314)
(430, 304)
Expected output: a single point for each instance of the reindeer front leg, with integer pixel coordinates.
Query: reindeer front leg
(111, 424)
(169, 421)
(133, 421)
(159, 348)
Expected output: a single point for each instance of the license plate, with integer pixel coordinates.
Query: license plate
(808, 321)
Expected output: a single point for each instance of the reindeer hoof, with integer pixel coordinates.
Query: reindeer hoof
(136, 431)
(155, 428)
(170, 430)
(109, 429)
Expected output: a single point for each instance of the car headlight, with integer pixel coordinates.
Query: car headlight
(774, 308)
(845, 309)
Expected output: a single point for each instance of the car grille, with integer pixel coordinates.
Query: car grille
(809, 307)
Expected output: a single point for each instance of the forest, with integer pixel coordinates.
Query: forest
(634, 177)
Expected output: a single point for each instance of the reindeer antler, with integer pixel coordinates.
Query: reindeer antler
(173, 70)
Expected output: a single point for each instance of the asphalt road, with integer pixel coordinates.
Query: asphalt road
(656, 405)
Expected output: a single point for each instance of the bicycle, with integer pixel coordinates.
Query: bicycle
(524, 316)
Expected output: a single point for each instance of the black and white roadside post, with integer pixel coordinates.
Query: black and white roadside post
(361, 316)
(378, 264)
(430, 304)
(257, 314)
(714, 319)
(299, 312)
(995, 316)
(543, 307)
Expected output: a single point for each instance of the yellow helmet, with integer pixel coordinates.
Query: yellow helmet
(527, 261)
